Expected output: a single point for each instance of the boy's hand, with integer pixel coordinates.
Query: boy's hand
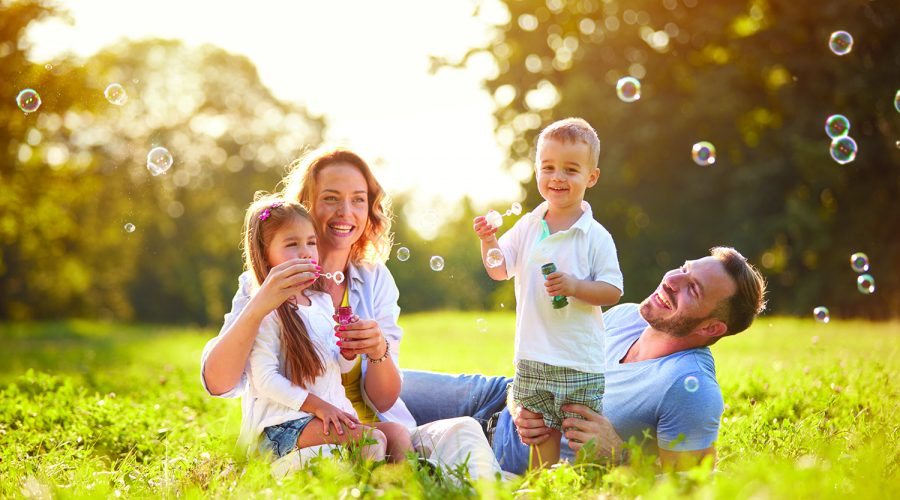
(331, 415)
(285, 281)
(559, 283)
(485, 231)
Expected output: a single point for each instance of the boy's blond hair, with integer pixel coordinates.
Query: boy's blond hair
(572, 130)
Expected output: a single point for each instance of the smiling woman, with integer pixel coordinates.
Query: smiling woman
(351, 215)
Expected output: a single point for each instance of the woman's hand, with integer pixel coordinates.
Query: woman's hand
(361, 336)
(285, 281)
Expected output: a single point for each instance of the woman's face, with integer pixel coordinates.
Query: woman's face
(341, 207)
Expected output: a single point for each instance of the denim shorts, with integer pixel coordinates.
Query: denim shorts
(281, 439)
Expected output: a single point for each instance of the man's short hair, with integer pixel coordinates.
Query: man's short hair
(572, 130)
(739, 310)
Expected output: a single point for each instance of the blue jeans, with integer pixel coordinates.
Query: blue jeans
(433, 396)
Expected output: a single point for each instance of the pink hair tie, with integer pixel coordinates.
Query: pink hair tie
(268, 212)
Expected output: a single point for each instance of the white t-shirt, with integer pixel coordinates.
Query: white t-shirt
(570, 337)
(271, 397)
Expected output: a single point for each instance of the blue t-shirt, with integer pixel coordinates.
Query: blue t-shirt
(676, 397)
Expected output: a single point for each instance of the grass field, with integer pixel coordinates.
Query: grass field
(107, 410)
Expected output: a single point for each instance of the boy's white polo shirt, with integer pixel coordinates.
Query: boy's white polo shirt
(570, 337)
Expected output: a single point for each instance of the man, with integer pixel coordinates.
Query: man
(660, 373)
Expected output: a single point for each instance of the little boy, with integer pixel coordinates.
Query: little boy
(559, 343)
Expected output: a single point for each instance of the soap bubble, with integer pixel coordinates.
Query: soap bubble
(338, 277)
(516, 208)
(481, 324)
(843, 149)
(865, 283)
(691, 383)
(115, 94)
(628, 89)
(494, 219)
(841, 43)
(821, 314)
(159, 161)
(129, 228)
(897, 101)
(837, 126)
(703, 153)
(28, 100)
(494, 257)
(403, 254)
(859, 262)
(437, 263)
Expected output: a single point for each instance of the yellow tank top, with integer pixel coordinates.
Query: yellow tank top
(352, 382)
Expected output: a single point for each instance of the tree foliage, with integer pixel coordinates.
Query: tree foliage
(73, 174)
(756, 78)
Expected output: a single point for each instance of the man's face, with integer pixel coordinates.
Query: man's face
(687, 296)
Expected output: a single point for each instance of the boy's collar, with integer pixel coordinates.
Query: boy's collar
(583, 223)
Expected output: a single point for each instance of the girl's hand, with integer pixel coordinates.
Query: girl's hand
(558, 283)
(285, 281)
(361, 336)
(331, 415)
(485, 231)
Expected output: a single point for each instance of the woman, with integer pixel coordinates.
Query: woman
(352, 217)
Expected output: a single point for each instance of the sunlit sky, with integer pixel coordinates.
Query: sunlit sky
(363, 65)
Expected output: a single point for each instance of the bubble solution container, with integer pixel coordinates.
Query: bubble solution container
(558, 301)
(344, 314)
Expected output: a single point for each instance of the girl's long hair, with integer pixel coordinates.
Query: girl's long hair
(302, 361)
(300, 185)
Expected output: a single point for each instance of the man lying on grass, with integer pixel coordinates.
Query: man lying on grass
(660, 373)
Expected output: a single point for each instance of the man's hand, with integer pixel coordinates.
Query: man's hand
(530, 426)
(594, 426)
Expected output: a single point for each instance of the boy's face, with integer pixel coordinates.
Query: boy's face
(564, 172)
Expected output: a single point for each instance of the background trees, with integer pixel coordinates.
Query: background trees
(755, 78)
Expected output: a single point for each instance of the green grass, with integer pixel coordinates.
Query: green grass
(812, 411)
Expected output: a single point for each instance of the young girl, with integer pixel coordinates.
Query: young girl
(295, 398)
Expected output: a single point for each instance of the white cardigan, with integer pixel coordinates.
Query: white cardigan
(373, 295)
(271, 398)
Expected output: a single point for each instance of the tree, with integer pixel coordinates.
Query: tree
(74, 173)
(758, 81)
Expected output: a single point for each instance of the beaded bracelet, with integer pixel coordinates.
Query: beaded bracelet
(387, 352)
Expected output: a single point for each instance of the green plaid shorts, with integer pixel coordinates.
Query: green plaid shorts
(543, 388)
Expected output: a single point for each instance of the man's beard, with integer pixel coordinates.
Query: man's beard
(678, 326)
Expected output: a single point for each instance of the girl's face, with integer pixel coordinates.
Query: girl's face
(296, 239)
(341, 207)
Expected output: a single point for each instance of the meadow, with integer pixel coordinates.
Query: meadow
(91, 409)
